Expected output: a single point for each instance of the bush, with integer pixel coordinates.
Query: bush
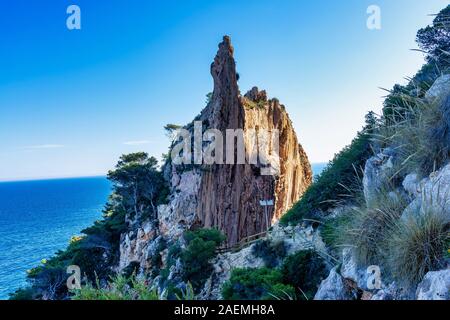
(418, 245)
(23, 294)
(270, 252)
(304, 271)
(256, 284)
(120, 288)
(201, 248)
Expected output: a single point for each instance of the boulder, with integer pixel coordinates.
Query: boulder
(351, 271)
(411, 184)
(434, 194)
(434, 286)
(333, 288)
(439, 90)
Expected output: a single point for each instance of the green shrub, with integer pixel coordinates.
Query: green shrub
(256, 284)
(201, 248)
(304, 271)
(270, 252)
(23, 294)
(120, 288)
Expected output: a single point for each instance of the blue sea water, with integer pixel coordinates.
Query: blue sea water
(38, 218)
(317, 168)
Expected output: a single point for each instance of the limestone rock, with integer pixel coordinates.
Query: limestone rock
(439, 90)
(333, 288)
(223, 265)
(134, 245)
(180, 213)
(377, 172)
(297, 238)
(434, 194)
(411, 184)
(351, 271)
(434, 286)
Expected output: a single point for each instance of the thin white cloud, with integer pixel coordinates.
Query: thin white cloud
(44, 146)
(137, 143)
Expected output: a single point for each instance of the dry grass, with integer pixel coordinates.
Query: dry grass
(417, 132)
(366, 229)
(418, 244)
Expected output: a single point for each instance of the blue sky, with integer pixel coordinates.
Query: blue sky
(71, 102)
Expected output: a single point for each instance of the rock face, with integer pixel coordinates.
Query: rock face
(333, 288)
(435, 286)
(229, 194)
(440, 89)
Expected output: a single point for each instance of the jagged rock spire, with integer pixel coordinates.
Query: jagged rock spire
(226, 104)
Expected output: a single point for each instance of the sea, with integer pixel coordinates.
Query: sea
(38, 218)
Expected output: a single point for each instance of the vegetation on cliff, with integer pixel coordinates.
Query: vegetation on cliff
(385, 225)
(297, 278)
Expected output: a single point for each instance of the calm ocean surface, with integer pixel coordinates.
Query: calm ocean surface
(38, 218)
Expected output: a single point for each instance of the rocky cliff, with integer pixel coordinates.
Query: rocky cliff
(227, 196)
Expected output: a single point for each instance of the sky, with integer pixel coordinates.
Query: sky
(73, 101)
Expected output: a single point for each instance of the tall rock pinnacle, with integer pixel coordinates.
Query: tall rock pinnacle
(225, 98)
(229, 195)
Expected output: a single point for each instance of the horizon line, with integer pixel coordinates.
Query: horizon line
(52, 178)
(81, 176)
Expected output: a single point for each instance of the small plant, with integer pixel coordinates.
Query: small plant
(417, 130)
(187, 294)
(120, 288)
(270, 252)
(304, 271)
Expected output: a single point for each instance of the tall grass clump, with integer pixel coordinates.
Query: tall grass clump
(366, 228)
(418, 244)
(417, 130)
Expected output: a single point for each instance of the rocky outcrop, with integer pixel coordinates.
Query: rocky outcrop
(229, 195)
(432, 194)
(440, 90)
(295, 239)
(377, 172)
(333, 288)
